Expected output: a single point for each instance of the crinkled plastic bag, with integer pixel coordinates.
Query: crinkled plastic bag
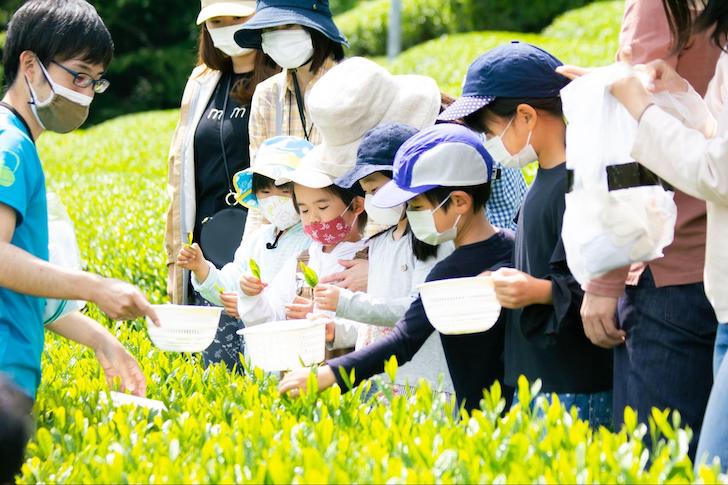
(605, 230)
(62, 251)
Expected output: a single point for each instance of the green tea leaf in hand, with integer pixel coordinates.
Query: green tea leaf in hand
(309, 275)
(254, 268)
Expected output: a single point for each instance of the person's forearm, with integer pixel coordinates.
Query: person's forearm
(22, 272)
(81, 329)
(541, 292)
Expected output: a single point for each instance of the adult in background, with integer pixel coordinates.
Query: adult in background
(694, 158)
(302, 38)
(663, 342)
(209, 146)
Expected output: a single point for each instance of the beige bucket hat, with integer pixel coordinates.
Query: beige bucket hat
(222, 8)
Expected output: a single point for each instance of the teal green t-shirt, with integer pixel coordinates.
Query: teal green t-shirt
(22, 188)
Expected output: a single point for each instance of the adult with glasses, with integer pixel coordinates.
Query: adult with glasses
(54, 57)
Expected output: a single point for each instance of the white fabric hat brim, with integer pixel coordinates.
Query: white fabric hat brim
(308, 178)
(226, 9)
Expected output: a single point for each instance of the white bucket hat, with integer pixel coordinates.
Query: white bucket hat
(313, 172)
(358, 95)
(222, 8)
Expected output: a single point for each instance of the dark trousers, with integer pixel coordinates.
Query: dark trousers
(228, 345)
(667, 359)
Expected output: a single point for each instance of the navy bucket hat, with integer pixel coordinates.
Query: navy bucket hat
(514, 70)
(376, 152)
(314, 14)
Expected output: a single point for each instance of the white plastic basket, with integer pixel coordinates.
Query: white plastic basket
(461, 305)
(283, 345)
(184, 328)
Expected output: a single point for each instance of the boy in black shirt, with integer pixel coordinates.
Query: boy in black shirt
(443, 174)
(512, 95)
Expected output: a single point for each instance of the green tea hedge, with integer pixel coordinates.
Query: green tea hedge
(422, 20)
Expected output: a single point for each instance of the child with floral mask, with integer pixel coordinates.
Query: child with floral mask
(333, 218)
(442, 166)
(272, 243)
(512, 95)
(398, 261)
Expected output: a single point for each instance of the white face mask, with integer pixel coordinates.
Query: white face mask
(224, 40)
(494, 145)
(385, 217)
(288, 48)
(423, 226)
(279, 211)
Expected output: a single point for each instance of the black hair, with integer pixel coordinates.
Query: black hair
(479, 193)
(261, 182)
(346, 195)
(56, 30)
(714, 15)
(507, 107)
(323, 48)
(15, 429)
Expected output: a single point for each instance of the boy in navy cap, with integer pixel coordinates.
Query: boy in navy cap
(443, 174)
(512, 95)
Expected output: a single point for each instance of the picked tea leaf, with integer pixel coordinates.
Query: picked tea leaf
(254, 268)
(312, 279)
(219, 289)
(189, 239)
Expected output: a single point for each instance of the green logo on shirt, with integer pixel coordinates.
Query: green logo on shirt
(7, 175)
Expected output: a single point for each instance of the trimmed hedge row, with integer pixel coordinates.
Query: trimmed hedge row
(422, 20)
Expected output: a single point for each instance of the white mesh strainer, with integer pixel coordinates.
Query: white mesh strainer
(184, 328)
(461, 305)
(283, 345)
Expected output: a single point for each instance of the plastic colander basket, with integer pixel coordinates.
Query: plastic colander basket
(283, 345)
(184, 328)
(461, 305)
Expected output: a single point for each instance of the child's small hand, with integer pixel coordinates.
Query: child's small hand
(327, 297)
(251, 286)
(516, 289)
(191, 258)
(230, 303)
(299, 308)
(295, 381)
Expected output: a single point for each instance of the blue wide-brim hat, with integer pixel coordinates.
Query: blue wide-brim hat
(314, 14)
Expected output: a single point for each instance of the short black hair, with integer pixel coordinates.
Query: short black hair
(261, 182)
(15, 429)
(507, 107)
(56, 30)
(479, 193)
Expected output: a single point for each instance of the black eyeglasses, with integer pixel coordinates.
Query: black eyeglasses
(83, 80)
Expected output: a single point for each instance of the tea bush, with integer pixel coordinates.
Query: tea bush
(366, 25)
(447, 59)
(229, 428)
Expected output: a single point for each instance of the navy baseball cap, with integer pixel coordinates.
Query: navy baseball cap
(514, 70)
(377, 151)
(444, 155)
(314, 14)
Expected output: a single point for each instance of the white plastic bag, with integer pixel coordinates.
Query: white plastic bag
(605, 230)
(62, 251)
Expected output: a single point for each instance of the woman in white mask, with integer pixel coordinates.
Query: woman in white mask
(211, 141)
(301, 37)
